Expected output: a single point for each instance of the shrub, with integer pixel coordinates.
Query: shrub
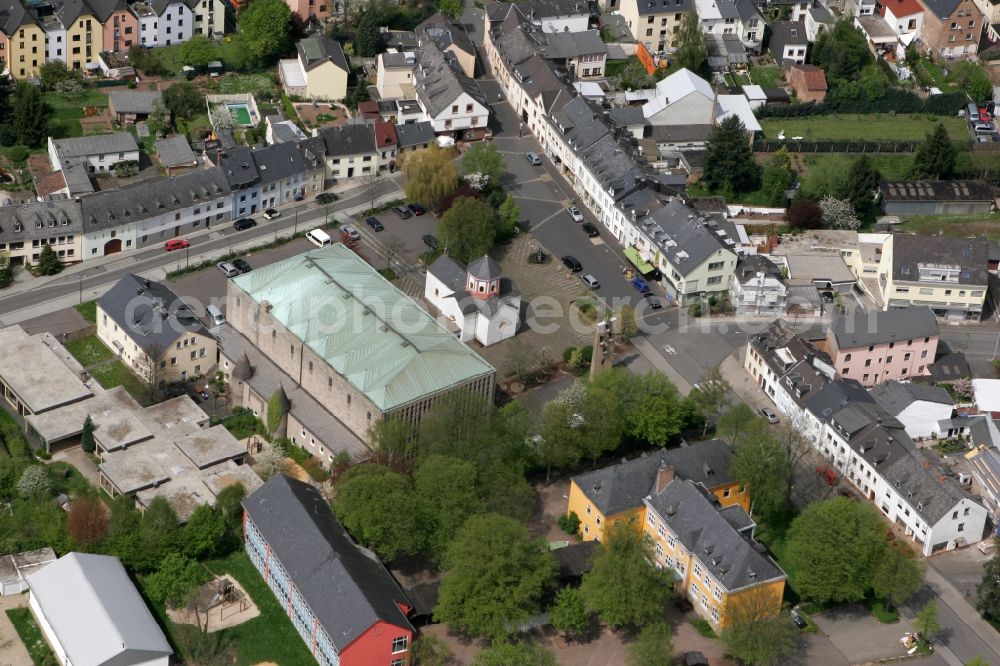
(568, 354)
(702, 626)
(883, 613)
(570, 523)
(18, 153)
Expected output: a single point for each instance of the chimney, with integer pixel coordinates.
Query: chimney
(664, 476)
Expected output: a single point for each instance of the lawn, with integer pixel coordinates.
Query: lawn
(31, 636)
(962, 226)
(87, 310)
(768, 76)
(89, 350)
(891, 166)
(67, 111)
(258, 84)
(269, 637)
(117, 373)
(871, 127)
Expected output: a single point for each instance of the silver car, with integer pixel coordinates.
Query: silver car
(769, 414)
(227, 269)
(590, 281)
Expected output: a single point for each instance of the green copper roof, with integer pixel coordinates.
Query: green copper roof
(371, 333)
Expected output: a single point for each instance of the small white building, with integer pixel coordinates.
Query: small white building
(485, 306)
(756, 287)
(98, 153)
(175, 23)
(15, 569)
(90, 613)
(919, 407)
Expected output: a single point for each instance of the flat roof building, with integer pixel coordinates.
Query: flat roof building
(34, 379)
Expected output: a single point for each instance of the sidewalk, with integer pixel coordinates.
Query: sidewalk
(12, 650)
(959, 605)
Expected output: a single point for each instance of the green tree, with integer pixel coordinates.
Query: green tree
(898, 575)
(430, 650)
(842, 52)
(229, 507)
(622, 586)
(445, 495)
(557, 440)
(972, 79)
(508, 218)
(430, 175)
(358, 94)
(87, 436)
(520, 654)
(183, 100)
(158, 535)
(926, 622)
(497, 573)
(198, 51)
(729, 164)
(760, 462)
(31, 115)
(450, 8)
(569, 612)
(34, 482)
(368, 499)
(176, 581)
(628, 328)
(861, 185)
(265, 29)
(484, 161)
(737, 422)
(691, 51)
(835, 546)
(988, 591)
(656, 417)
(758, 632)
(634, 76)
(777, 177)
(392, 441)
(367, 42)
(603, 423)
(653, 647)
(467, 229)
(54, 72)
(48, 262)
(203, 532)
(935, 158)
(712, 395)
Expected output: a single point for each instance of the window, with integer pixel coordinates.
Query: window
(697, 570)
(924, 291)
(716, 265)
(847, 358)
(865, 377)
(966, 512)
(888, 359)
(399, 644)
(961, 527)
(714, 280)
(671, 540)
(715, 615)
(868, 363)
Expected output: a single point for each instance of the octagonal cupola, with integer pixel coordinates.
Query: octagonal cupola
(482, 278)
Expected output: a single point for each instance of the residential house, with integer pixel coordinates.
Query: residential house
(174, 22)
(120, 26)
(342, 601)
(545, 15)
(175, 154)
(209, 17)
(450, 37)
(984, 467)
(414, 136)
(395, 75)
(919, 407)
(740, 19)
(875, 347)
(243, 180)
(366, 367)
(905, 17)
(683, 98)
(951, 28)
(477, 299)
(90, 613)
(947, 274)
(156, 334)
(751, 25)
(808, 82)
(613, 494)
(387, 143)
(313, 153)
(350, 151)
(131, 106)
(938, 197)
(151, 211)
(72, 33)
(26, 228)
(711, 549)
(788, 42)
(282, 174)
(582, 54)
(313, 11)
(319, 72)
(787, 368)
(451, 101)
(24, 39)
(98, 153)
(653, 23)
(756, 287)
(818, 20)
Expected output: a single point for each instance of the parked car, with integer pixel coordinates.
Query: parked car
(271, 213)
(640, 285)
(325, 198)
(375, 224)
(694, 659)
(242, 266)
(244, 223)
(533, 159)
(575, 213)
(653, 302)
(176, 244)
(590, 229)
(769, 414)
(350, 233)
(983, 128)
(227, 269)
(417, 209)
(403, 212)
(572, 263)
(299, 197)
(590, 281)
(430, 241)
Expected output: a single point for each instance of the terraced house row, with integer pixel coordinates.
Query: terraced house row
(77, 32)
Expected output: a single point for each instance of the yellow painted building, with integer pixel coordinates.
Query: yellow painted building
(25, 44)
(84, 40)
(616, 493)
(711, 550)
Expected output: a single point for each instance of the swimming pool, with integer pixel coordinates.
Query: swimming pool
(241, 114)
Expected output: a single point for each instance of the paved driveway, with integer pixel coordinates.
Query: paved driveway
(12, 650)
(83, 464)
(859, 636)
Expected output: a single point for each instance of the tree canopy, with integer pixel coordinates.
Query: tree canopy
(31, 115)
(367, 42)
(569, 613)
(368, 501)
(176, 581)
(777, 177)
(497, 573)
(689, 40)
(430, 175)
(988, 591)
(860, 186)
(445, 494)
(183, 100)
(198, 51)
(842, 52)
(729, 164)
(467, 229)
(653, 647)
(266, 28)
(485, 161)
(759, 633)
(805, 214)
(935, 158)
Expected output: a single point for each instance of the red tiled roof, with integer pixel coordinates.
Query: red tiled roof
(901, 8)
(368, 109)
(385, 134)
(813, 77)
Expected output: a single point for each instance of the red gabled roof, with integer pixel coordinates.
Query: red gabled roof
(901, 8)
(385, 134)
(813, 77)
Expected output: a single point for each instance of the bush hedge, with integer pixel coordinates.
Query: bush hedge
(846, 98)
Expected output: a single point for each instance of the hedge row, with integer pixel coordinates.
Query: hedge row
(895, 100)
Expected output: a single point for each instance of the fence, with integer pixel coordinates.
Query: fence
(762, 145)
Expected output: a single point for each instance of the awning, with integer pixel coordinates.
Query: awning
(637, 261)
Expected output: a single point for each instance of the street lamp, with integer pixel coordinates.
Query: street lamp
(81, 287)
(296, 228)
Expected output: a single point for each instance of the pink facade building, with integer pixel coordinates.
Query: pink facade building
(120, 25)
(875, 347)
(309, 9)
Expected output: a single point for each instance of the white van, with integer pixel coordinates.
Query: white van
(319, 238)
(215, 315)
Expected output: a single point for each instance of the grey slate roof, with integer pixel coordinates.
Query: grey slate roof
(563, 45)
(98, 144)
(786, 33)
(349, 140)
(134, 101)
(149, 198)
(174, 151)
(238, 168)
(943, 8)
(911, 250)
(345, 585)
(104, 8)
(695, 237)
(834, 396)
(622, 487)
(896, 396)
(149, 314)
(317, 49)
(749, 266)
(453, 274)
(821, 14)
(277, 162)
(925, 484)
(24, 222)
(663, 6)
(438, 80)
(414, 134)
(746, 9)
(443, 32)
(878, 327)
(679, 133)
(552, 8)
(626, 115)
(484, 268)
(949, 367)
(728, 554)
